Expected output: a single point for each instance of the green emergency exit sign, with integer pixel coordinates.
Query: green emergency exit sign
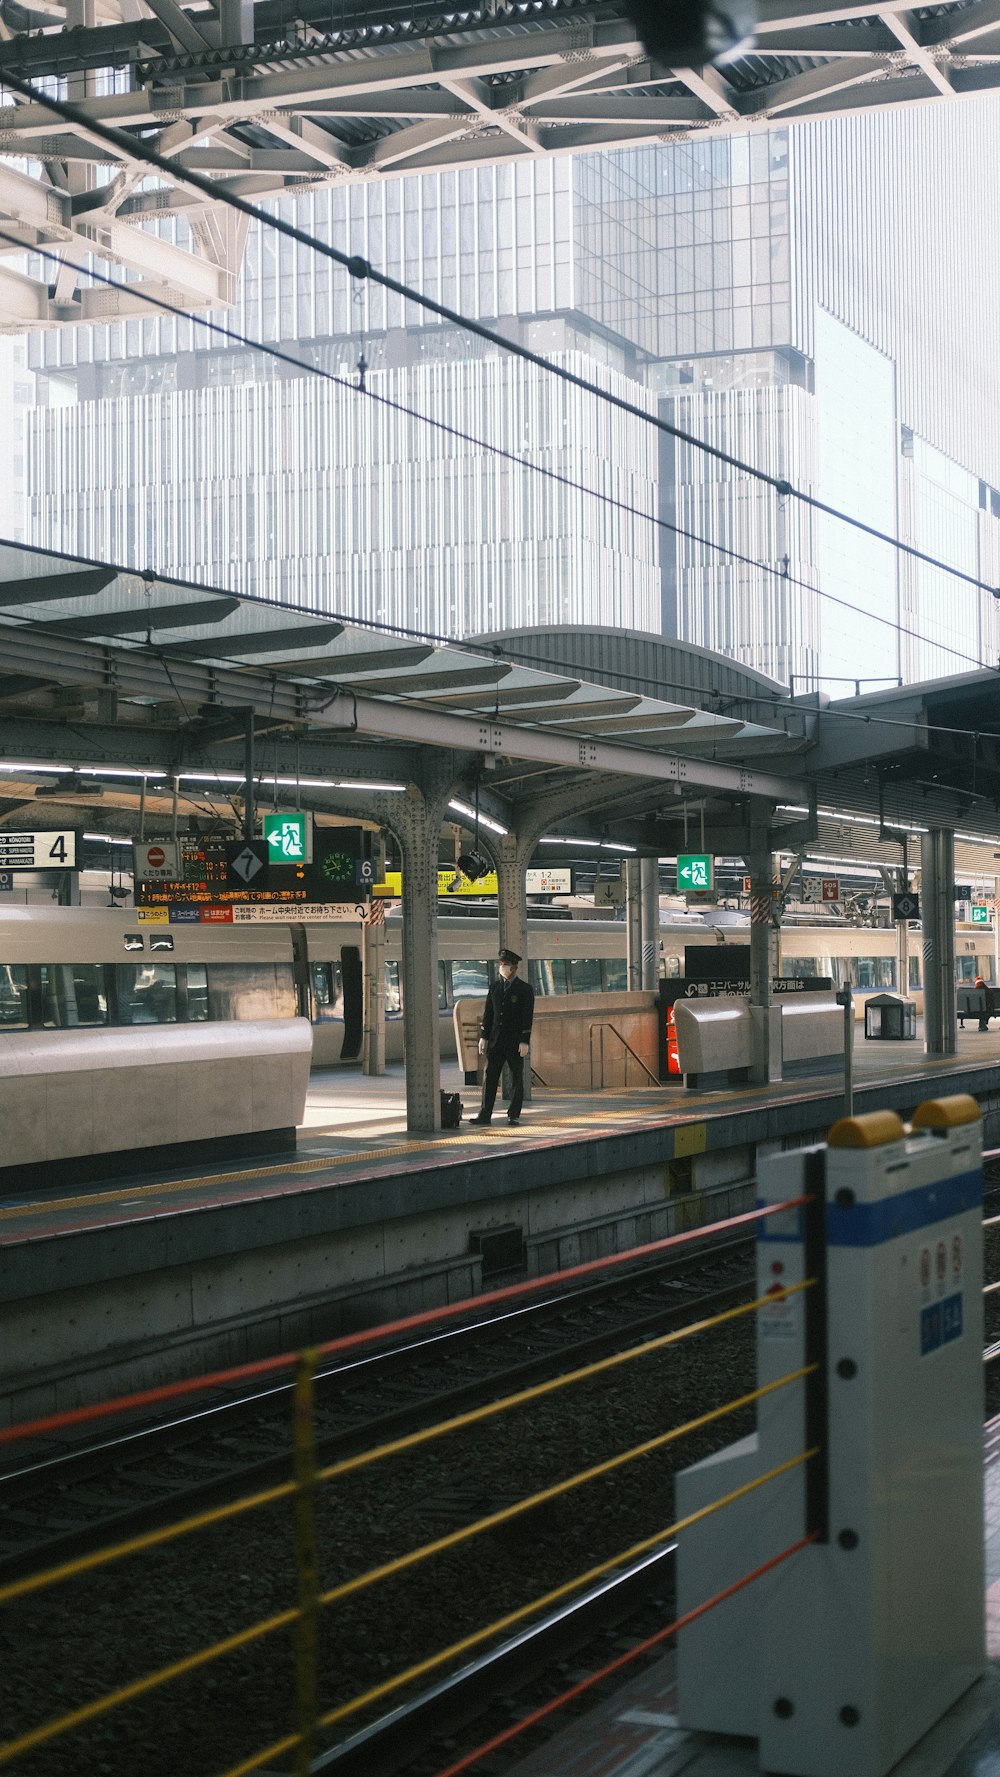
(695, 870)
(980, 914)
(288, 838)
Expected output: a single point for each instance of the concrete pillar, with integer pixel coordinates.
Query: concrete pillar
(633, 925)
(373, 1048)
(418, 830)
(765, 1016)
(649, 891)
(937, 908)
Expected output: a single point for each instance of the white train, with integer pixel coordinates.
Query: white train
(81, 969)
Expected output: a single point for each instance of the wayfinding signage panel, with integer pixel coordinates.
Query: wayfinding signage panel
(222, 873)
(980, 914)
(38, 851)
(288, 838)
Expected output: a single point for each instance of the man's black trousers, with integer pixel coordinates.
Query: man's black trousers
(496, 1060)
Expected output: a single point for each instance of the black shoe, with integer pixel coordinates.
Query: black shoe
(480, 1119)
(513, 1121)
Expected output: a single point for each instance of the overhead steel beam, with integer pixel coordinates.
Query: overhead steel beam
(487, 89)
(135, 673)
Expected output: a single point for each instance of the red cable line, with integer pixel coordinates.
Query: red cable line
(370, 1335)
(642, 1647)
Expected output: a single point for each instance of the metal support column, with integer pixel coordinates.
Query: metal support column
(373, 1049)
(633, 926)
(765, 1017)
(418, 836)
(249, 810)
(937, 907)
(649, 890)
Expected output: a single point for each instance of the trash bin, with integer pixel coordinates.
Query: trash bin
(888, 1016)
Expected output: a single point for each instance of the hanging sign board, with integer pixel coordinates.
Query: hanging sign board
(38, 851)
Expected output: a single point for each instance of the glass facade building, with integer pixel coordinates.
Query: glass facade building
(812, 301)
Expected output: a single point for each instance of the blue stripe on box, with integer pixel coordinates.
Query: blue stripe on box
(871, 1224)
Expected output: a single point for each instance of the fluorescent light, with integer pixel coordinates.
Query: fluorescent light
(606, 846)
(108, 838)
(483, 819)
(554, 839)
(27, 765)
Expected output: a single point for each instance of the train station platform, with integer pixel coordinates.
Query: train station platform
(635, 1732)
(126, 1282)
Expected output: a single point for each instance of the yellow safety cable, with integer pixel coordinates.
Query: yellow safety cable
(166, 1674)
(205, 1520)
(516, 1616)
(558, 1488)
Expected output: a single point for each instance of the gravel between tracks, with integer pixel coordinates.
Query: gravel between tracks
(93, 1634)
(90, 1635)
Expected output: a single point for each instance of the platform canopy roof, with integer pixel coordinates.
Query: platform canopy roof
(261, 101)
(109, 676)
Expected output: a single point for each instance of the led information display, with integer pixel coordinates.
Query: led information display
(223, 874)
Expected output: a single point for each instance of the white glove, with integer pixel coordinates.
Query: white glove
(482, 1045)
(522, 1049)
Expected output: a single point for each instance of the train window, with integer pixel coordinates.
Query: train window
(443, 1001)
(915, 971)
(551, 975)
(146, 993)
(393, 992)
(615, 974)
(470, 980)
(73, 995)
(586, 974)
(328, 992)
(13, 997)
(673, 968)
(801, 965)
(873, 973)
(196, 993)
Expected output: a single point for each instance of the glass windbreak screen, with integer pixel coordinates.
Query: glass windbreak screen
(470, 980)
(13, 996)
(550, 975)
(442, 987)
(146, 993)
(586, 973)
(915, 971)
(615, 974)
(73, 995)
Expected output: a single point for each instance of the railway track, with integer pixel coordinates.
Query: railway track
(60, 1500)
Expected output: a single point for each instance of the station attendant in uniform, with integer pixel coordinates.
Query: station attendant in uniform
(504, 1036)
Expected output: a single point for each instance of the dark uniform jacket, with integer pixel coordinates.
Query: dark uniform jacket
(510, 1007)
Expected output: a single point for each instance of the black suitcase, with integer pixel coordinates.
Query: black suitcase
(451, 1110)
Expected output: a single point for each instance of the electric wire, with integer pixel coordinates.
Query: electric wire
(136, 148)
(362, 387)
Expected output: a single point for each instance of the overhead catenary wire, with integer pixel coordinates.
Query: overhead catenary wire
(137, 148)
(362, 387)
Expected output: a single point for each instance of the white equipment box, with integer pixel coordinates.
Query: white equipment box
(842, 1657)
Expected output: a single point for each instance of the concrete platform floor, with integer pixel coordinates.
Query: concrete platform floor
(343, 1101)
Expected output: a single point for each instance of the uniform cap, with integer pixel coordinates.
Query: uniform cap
(509, 956)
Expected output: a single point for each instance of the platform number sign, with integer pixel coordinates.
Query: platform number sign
(38, 851)
(695, 871)
(906, 906)
(980, 914)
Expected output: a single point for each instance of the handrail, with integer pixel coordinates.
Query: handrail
(606, 1024)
